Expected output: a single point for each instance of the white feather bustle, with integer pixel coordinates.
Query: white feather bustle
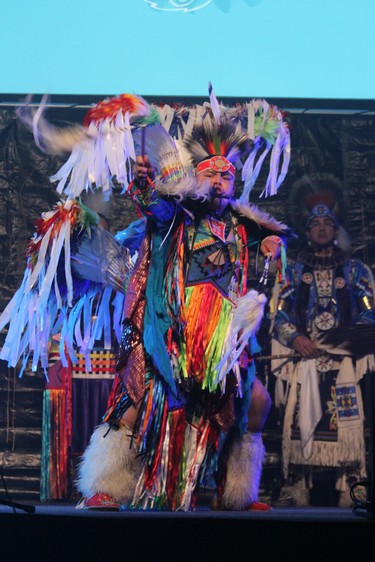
(244, 471)
(109, 465)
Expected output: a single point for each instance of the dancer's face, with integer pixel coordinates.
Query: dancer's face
(322, 232)
(221, 188)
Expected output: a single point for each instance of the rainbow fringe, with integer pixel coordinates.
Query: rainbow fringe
(57, 432)
(207, 318)
(176, 452)
(54, 465)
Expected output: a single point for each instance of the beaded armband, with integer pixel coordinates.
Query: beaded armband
(287, 333)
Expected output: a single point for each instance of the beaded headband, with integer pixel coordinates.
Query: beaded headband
(217, 164)
(321, 211)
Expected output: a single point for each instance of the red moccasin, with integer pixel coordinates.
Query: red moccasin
(102, 502)
(259, 506)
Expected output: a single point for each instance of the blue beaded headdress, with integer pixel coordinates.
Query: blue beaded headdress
(321, 211)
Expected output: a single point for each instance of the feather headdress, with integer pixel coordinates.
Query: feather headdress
(319, 195)
(212, 138)
(312, 191)
(245, 135)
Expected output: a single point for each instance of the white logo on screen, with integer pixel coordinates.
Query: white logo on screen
(178, 5)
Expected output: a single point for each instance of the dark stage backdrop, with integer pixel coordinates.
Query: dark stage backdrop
(321, 142)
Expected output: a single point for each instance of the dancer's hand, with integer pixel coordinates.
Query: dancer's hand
(143, 170)
(271, 246)
(305, 347)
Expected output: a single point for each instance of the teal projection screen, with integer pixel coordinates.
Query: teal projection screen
(246, 48)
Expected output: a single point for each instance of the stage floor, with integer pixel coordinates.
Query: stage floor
(58, 531)
(276, 513)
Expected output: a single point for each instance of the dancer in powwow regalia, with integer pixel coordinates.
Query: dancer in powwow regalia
(326, 320)
(186, 402)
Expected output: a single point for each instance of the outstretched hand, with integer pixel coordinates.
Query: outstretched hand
(143, 170)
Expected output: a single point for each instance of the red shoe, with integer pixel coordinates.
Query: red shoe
(255, 506)
(259, 506)
(102, 502)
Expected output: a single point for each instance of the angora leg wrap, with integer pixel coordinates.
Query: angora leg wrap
(244, 470)
(109, 465)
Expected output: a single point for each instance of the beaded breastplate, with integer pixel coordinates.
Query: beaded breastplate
(213, 255)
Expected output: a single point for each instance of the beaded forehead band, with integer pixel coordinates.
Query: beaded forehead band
(321, 211)
(217, 164)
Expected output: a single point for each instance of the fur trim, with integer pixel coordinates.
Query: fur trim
(296, 495)
(244, 471)
(262, 218)
(187, 188)
(109, 465)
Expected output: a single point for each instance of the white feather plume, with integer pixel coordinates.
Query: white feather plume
(48, 138)
(214, 103)
(245, 320)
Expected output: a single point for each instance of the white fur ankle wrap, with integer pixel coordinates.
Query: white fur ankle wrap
(109, 465)
(244, 471)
